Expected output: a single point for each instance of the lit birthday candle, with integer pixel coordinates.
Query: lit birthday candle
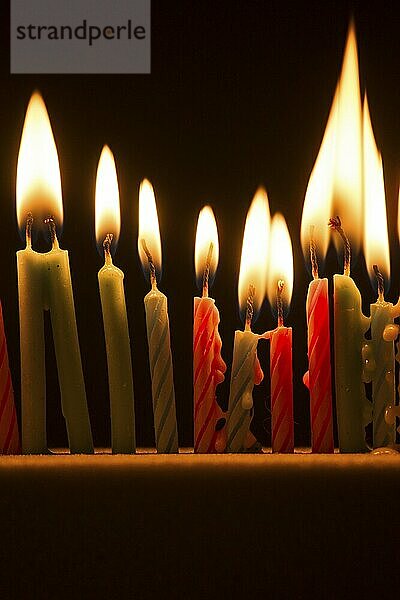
(279, 289)
(315, 241)
(350, 325)
(246, 369)
(208, 365)
(378, 353)
(44, 283)
(112, 295)
(158, 336)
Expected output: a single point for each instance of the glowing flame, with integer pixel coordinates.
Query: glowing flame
(108, 214)
(347, 181)
(317, 207)
(376, 239)
(149, 230)
(280, 261)
(38, 171)
(254, 260)
(206, 236)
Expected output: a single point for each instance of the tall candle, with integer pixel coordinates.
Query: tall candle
(115, 319)
(246, 369)
(208, 364)
(280, 285)
(157, 322)
(9, 435)
(44, 283)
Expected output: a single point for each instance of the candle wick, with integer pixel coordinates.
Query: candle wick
(336, 224)
(313, 254)
(107, 248)
(153, 279)
(28, 230)
(250, 307)
(53, 233)
(206, 273)
(279, 303)
(381, 282)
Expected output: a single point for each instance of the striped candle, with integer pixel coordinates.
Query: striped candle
(282, 390)
(9, 436)
(318, 377)
(208, 372)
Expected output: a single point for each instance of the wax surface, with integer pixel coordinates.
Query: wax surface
(318, 378)
(282, 390)
(119, 363)
(162, 382)
(352, 407)
(9, 435)
(208, 372)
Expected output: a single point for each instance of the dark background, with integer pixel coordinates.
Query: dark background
(239, 95)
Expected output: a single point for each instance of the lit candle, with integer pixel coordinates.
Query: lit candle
(208, 365)
(315, 241)
(246, 369)
(158, 336)
(44, 282)
(378, 353)
(279, 288)
(352, 408)
(9, 436)
(112, 295)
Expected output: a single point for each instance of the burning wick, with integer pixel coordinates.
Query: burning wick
(28, 230)
(313, 254)
(250, 307)
(279, 303)
(52, 226)
(206, 273)
(336, 224)
(381, 283)
(107, 248)
(152, 268)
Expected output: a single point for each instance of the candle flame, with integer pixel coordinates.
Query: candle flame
(38, 189)
(376, 238)
(107, 210)
(347, 180)
(149, 240)
(254, 260)
(317, 207)
(206, 246)
(280, 267)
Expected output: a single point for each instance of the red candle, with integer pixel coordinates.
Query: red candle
(208, 365)
(9, 436)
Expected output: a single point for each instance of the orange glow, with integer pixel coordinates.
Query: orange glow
(280, 261)
(149, 230)
(108, 215)
(254, 260)
(38, 170)
(206, 234)
(376, 239)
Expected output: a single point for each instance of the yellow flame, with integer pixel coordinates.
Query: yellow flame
(280, 261)
(317, 207)
(149, 230)
(38, 171)
(108, 214)
(347, 181)
(376, 238)
(254, 260)
(206, 234)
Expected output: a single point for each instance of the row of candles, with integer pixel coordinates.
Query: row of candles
(347, 179)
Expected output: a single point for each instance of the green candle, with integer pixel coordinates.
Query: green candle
(112, 295)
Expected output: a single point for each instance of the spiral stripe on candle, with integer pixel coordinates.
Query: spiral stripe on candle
(162, 378)
(208, 369)
(382, 435)
(282, 391)
(239, 418)
(320, 367)
(9, 435)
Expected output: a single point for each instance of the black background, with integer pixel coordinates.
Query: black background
(238, 95)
